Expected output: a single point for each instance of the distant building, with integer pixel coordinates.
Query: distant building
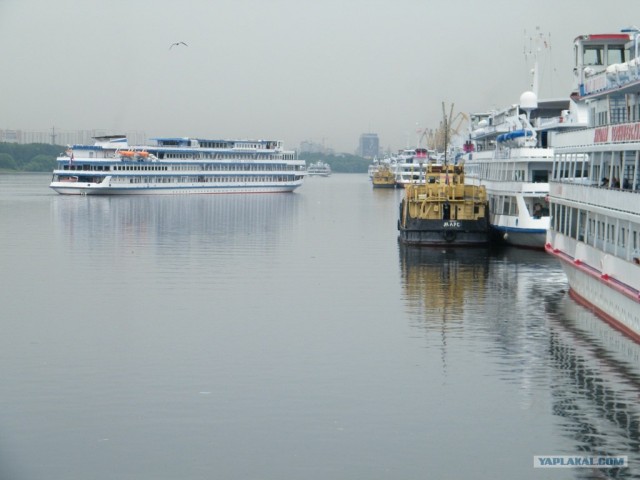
(369, 145)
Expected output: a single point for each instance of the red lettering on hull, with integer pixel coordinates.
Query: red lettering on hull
(601, 135)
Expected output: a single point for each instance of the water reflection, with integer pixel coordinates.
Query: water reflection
(483, 287)
(490, 301)
(513, 305)
(176, 222)
(597, 373)
(440, 284)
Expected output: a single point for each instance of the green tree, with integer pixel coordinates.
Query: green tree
(26, 154)
(40, 163)
(340, 163)
(7, 162)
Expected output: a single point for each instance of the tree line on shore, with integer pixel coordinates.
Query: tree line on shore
(31, 157)
(340, 162)
(41, 157)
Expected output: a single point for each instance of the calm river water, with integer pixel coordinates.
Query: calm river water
(288, 336)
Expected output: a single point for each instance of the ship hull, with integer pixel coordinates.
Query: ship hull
(518, 237)
(616, 304)
(384, 185)
(98, 189)
(445, 232)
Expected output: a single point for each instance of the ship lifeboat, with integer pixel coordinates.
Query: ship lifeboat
(516, 138)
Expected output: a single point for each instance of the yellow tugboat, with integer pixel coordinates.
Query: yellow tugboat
(442, 210)
(383, 177)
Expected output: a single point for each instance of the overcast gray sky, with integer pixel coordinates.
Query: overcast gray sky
(325, 70)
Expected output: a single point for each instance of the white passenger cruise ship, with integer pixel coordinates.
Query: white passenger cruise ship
(319, 168)
(509, 153)
(411, 166)
(595, 186)
(177, 166)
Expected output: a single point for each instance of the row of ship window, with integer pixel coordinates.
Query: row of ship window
(251, 145)
(107, 168)
(233, 167)
(508, 205)
(226, 156)
(212, 156)
(211, 179)
(224, 167)
(617, 109)
(620, 169)
(612, 235)
(506, 172)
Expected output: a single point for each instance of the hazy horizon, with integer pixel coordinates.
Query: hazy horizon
(293, 70)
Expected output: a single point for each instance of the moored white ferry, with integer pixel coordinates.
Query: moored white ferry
(177, 166)
(595, 186)
(509, 153)
(410, 166)
(319, 168)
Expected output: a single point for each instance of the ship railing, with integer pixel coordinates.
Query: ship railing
(442, 192)
(614, 76)
(543, 122)
(502, 153)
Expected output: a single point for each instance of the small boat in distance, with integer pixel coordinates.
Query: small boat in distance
(319, 168)
(411, 164)
(383, 177)
(442, 210)
(177, 166)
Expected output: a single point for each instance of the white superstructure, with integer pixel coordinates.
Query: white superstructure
(509, 152)
(595, 186)
(410, 165)
(177, 166)
(319, 168)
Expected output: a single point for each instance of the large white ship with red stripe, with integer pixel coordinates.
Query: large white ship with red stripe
(595, 185)
(177, 166)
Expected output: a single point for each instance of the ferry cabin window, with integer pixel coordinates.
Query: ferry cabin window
(618, 108)
(596, 54)
(602, 118)
(593, 55)
(544, 139)
(540, 176)
(505, 206)
(615, 54)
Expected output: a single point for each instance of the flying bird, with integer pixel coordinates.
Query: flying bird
(177, 44)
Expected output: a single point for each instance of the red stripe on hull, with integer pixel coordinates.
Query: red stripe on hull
(608, 282)
(604, 316)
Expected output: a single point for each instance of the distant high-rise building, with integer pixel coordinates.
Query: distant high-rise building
(369, 146)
